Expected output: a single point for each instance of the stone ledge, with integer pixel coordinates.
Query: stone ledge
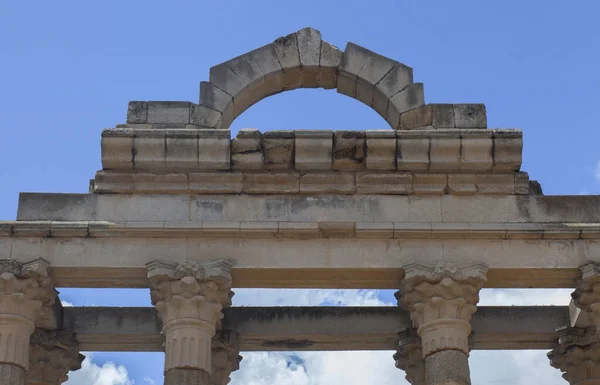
(429, 151)
(299, 230)
(310, 183)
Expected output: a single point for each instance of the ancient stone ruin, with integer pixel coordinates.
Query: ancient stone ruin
(436, 207)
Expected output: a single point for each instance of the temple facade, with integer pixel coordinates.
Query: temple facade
(436, 207)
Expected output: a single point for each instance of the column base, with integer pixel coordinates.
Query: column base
(12, 374)
(178, 376)
(448, 367)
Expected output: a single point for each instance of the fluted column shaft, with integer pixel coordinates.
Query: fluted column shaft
(189, 298)
(441, 299)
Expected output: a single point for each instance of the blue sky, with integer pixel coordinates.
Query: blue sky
(69, 69)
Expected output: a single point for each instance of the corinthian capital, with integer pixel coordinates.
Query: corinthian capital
(441, 299)
(52, 355)
(26, 294)
(189, 298)
(225, 356)
(587, 291)
(577, 356)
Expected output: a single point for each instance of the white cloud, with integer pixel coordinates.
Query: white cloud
(149, 381)
(92, 374)
(306, 297)
(66, 303)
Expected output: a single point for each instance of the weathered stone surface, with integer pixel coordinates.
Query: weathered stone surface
(407, 99)
(313, 150)
(215, 182)
(214, 150)
(470, 116)
(52, 355)
(149, 149)
(383, 183)
(278, 147)
(215, 98)
(12, 374)
(447, 367)
(286, 49)
(260, 183)
(381, 150)
(226, 79)
(181, 149)
(502, 184)
(375, 68)
(117, 149)
(409, 356)
(508, 148)
(413, 151)
(246, 150)
(430, 183)
(330, 59)
(522, 183)
(137, 112)
(202, 116)
(334, 183)
(444, 151)
(169, 112)
(349, 150)
(309, 48)
(430, 115)
(393, 82)
(477, 148)
(353, 59)
(225, 356)
(179, 376)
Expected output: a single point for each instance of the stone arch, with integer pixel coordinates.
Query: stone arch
(303, 60)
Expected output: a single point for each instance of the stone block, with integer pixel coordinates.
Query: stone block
(330, 59)
(353, 59)
(215, 182)
(137, 112)
(149, 148)
(309, 47)
(349, 150)
(271, 69)
(246, 150)
(286, 49)
(214, 98)
(107, 182)
(413, 151)
(508, 148)
(428, 116)
(313, 150)
(381, 150)
(259, 229)
(337, 229)
(501, 184)
(117, 149)
(393, 82)
(226, 79)
(384, 183)
(182, 149)
(278, 148)
(214, 150)
(271, 183)
(375, 230)
(299, 230)
(204, 117)
(405, 100)
(444, 150)
(169, 112)
(476, 151)
(430, 184)
(521, 183)
(330, 183)
(470, 116)
(375, 68)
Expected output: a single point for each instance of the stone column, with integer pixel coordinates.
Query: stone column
(52, 355)
(26, 292)
(577, 355)
(409, 356)
(225, 356)
(189, 298)
(441, 299)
